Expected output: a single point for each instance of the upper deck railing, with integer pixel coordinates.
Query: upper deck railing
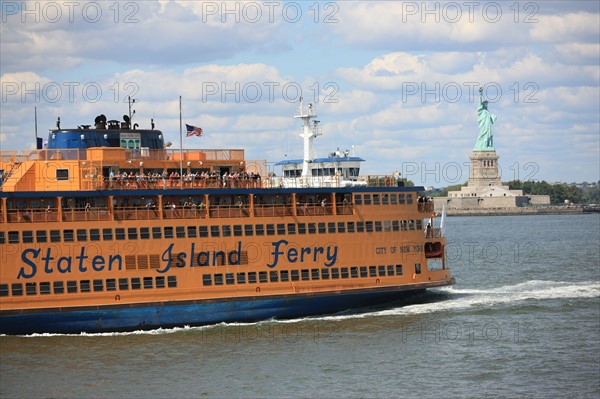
(192, 180)
(334, 181)
(425, 206)
(433, 232)
(90, 214)
(234, 180)
(146, 182)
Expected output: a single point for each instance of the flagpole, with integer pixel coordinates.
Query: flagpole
(36, 132)
(180, 147)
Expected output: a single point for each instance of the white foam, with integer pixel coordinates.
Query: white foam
(460, 299)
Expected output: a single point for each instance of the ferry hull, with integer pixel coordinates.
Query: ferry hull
(166, 315)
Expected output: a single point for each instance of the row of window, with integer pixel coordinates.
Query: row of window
(98, 285)
(324, 273)
(383, 199)
(157, 232)
(136, 283)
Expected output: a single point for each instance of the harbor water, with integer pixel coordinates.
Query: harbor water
(523, 320)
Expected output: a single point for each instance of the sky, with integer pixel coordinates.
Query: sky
(394, 82)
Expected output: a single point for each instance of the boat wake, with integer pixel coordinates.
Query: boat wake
(452, 299)
(447, 299)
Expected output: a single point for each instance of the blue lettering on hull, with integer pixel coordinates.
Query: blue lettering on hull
(35, 261)
(291, 255)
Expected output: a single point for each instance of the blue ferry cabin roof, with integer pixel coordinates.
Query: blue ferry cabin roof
(89, 138)
(105, 133)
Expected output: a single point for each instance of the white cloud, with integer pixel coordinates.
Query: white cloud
(392, 73)
(348, 102)
(581, 26)
(134, 32)
(578, 53)
(434, 25)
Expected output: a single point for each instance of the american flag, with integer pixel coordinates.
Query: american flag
(193, 130)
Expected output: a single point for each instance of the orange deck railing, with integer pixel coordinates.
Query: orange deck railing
(433, 232)
(192, 212)
(425, 206)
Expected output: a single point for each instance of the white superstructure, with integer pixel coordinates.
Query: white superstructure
(338, 170)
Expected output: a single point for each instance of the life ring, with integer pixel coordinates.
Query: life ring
(258, 289)
(415, 276)
(117, 297)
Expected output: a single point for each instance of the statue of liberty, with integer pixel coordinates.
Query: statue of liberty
(485, 140)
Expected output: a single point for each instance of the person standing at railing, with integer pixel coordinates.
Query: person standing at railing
(225, 175)
(48, 211)
(164, 179)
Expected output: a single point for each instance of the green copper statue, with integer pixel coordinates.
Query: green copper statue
(485, 140)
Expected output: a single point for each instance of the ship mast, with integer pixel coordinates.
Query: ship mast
(308, 134)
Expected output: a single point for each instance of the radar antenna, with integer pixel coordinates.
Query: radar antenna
(131, 101)
(308, 134)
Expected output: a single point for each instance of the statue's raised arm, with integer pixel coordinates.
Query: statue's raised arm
(485, 140)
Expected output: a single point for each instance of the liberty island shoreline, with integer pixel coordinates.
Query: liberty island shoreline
(534, 210)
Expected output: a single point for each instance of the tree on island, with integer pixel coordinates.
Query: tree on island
(559, 192)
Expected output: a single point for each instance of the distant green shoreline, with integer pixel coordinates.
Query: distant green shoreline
(538, 210)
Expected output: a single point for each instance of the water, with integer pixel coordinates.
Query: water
(523, 320)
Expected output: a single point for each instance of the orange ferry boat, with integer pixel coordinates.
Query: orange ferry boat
(106, 229)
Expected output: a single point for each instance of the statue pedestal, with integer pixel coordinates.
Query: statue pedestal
(484, 189)
(484, 169)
